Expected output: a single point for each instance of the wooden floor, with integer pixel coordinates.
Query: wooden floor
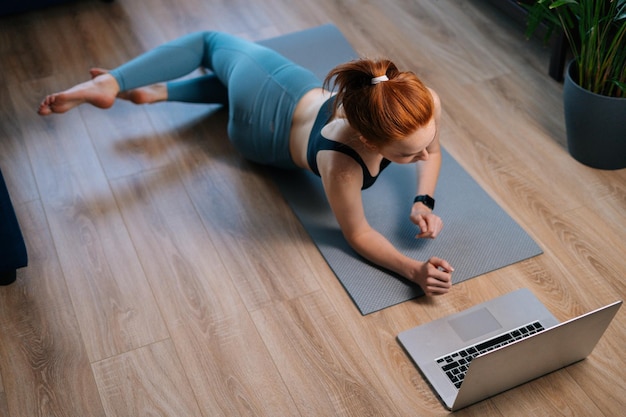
(167, 276)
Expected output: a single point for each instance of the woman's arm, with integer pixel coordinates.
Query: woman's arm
(427, 176)
(342, 178)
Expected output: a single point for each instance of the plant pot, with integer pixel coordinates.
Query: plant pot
(595, 125)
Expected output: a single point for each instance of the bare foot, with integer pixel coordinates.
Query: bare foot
(95, 72)
(142, 95)
(99, 92)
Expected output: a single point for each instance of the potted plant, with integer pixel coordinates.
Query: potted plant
(594, 89)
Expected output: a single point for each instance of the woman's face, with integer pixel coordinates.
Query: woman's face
(412, 148)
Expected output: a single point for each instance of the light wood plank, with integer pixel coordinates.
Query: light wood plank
(225, 360)
(115, 306)
(145, 382)
(42, 357)
(4, 408)
(326, 373)
(14, 160)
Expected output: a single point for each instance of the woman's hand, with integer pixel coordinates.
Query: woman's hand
(430, 224)
(434, 276)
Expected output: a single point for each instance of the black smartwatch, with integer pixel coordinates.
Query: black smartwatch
(425, 199)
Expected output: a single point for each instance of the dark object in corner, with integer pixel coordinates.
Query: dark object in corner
(12, 248)
(14, 7)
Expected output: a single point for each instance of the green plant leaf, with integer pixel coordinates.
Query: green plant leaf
(596, 33)
(621, 10)
(621, 86)
(559, 3)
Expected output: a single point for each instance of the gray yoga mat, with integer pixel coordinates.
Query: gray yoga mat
(478, 236)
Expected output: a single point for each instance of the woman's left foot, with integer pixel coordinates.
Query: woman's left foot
(142, 95)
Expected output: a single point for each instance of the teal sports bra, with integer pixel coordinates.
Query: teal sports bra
(317, 143)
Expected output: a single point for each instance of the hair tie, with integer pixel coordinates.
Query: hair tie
(380, 79)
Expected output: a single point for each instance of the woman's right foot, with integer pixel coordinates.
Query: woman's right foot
(142, 95)
(99, 92)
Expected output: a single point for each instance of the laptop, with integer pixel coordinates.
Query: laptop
(499, 344)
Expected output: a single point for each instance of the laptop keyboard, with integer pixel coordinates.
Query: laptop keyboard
(455, 364)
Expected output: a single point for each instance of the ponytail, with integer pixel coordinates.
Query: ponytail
(382, 103)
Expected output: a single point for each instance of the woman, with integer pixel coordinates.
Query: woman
(280, 114)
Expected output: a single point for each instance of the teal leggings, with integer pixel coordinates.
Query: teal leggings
(260, 87)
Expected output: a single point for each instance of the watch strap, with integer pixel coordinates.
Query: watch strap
(425, 199)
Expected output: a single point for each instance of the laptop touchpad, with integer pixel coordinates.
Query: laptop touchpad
(474, 324)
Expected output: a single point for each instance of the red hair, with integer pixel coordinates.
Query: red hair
(382, 112)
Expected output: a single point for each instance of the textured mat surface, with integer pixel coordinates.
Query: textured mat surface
(478, 236)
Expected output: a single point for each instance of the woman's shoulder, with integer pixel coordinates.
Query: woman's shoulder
(339, 169)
